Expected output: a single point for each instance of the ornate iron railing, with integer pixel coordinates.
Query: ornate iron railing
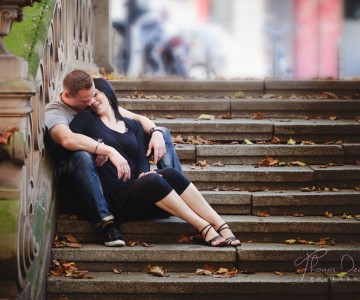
(27, 206)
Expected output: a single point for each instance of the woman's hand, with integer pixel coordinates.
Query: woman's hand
(121, 165)
(157, 143)
(145, 173)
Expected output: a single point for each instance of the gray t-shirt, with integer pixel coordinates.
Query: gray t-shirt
(57, 112)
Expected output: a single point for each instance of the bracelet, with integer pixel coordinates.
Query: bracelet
(99, 142)
(152, 129)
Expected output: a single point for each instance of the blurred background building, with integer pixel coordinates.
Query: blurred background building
(207, 39)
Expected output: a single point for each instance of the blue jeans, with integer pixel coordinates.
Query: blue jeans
(79, 185)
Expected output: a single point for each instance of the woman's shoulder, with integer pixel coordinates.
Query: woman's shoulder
(131, 123)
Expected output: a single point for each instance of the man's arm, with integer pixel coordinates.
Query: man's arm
(69, 140)
(157, 141)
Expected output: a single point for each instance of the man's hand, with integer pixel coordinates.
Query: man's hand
(101, 159)
(157, 143)
(145, 173)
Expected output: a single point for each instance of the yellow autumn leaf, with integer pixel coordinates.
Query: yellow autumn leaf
(291, 142)
(247, 142)
(290, 242)
(206, 117)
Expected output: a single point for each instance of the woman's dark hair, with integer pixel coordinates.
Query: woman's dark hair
(104, 86)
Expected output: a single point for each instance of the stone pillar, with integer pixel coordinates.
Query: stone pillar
(102, 32)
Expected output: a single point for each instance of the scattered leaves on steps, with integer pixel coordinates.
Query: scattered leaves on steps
(263, 214)
(170, 117)
(267, 162)
(138, 243)
(328, 214)
(318, 189)
(323, 241)
(226, 117)
(210, 270)
(330, 164)
(62, 241)
(60, 267)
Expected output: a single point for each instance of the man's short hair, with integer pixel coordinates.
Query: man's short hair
(77, 80)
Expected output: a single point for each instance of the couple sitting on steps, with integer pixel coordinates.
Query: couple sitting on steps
(102, 152)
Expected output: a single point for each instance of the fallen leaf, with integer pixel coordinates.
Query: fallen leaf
(218, 164)
(357, 188)
(201, 164)
(139, 94)
(328, 95)
(298, 215)
(146, 245)
(300, 271)
(257, 116)
(339, 142)
(185, 239)
(151, 97)
(156, 271)
(328, 214)
(267, 162)
(116, 271)
(333, 118)
(221, 271)
(210, 268)
(275, 140)
(203, 272)
(132, 243)
(307, 143)
(298, 163)
(263, 214)
(239, 94)
(341, 275)
(226, 117)
(178, 139)
(345, 216)
(278, 273)
(70, 238)
(206, 117)
(247, 142)
(323, 241)
(291, 142)
(170, 117)
(290, 242)
(177, 97)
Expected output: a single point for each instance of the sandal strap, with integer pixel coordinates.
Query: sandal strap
(208, 226)
(231, 239)
(214, 239)
(222, 227)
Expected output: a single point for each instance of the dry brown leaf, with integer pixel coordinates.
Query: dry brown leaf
(151, 97)
(218, 164)
(116, 271)
(298, 163)
(177, 139)
(177, 97)
(328, 95)
(221, 271)
(132, 243)
(300, 271)
(328, 214)
(210, 268)
(263, 214)
(170, 117)
(156, 271)
(139, 94)
(278, 273)
(185, 239)
(267, 162)
(201, 163)
(70, 238)
(298, 215)
(306, 189)
(275, 140)
(203, 272)
(226, 117)
(345, 216)
(323, 241)
(257, 116)
(146, 245)
(357, 188)
(333, 118)
(339, 142)
(307, 143)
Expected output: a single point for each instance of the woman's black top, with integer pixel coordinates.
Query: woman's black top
(131, 145)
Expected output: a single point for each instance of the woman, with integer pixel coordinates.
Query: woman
(141, 193)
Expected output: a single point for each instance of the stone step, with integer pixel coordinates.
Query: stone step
(260, 257)
(231, 177)
(132, 285)
(234, 154)
(238, 129)
(244, 108)
(216, 88)
(247, 228)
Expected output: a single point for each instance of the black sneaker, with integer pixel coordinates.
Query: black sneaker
(113, 238)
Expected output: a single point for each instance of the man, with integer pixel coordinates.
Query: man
(76, 170)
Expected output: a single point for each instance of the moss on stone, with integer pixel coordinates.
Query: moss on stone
(27, 38)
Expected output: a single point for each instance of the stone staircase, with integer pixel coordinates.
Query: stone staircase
(264, 206)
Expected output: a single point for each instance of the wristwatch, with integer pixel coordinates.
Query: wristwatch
(152, 129)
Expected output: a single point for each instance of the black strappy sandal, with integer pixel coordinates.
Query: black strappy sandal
(215, 239)
(229, 241)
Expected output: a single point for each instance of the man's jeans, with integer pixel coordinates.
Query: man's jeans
(80, 189)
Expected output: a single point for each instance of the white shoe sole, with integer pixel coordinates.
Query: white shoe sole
(116, 243)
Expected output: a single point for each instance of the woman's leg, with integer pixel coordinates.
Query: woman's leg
(196, 202)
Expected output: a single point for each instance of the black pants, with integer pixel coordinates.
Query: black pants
(148, 190)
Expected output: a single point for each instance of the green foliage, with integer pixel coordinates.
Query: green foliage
(27, 38)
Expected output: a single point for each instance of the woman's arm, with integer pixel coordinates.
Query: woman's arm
(157, 140)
